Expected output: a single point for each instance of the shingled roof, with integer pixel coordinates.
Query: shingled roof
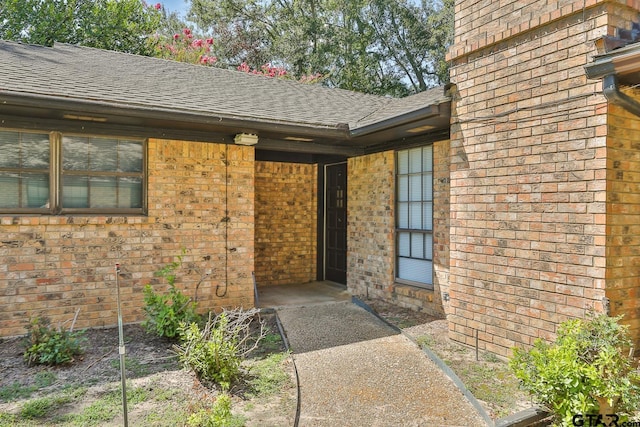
(69, 77)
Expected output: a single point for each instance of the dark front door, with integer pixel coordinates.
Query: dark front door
(336, 223)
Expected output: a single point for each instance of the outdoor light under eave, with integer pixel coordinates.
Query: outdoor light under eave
(246, 139)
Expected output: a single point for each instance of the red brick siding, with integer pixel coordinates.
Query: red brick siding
(371, 231)
(481, 25)
(441, 224)
(528, 174)
(370, 228)
(286, 223)
(623, 215)
(52, 265)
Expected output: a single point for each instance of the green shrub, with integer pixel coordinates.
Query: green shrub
(215, 352)
(165, 312)
(587, 370)
(218, 415)
(211, 353)
(48, 346)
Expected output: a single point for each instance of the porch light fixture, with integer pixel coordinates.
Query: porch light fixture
(246, 139)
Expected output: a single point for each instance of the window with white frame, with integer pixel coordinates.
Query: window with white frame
(55, 173)
(414, 216)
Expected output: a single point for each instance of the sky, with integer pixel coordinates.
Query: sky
(180, 6)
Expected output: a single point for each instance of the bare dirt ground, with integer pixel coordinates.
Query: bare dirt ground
(160, 393)
(164, 394)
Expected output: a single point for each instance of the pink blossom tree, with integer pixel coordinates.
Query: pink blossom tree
(186, 47)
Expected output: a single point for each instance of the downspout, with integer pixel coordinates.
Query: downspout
(611, 91)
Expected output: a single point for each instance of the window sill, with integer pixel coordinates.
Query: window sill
(71, 219)
(414, 285)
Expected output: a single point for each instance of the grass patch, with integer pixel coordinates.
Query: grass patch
(134, 368)
(167, 417)
(107, 407)
(492, 382)
(425, 341)
(268, 376)
(7, 419)
(45, 379)
(44, 406)
(16, 391)
(489, 379)
(36, 408)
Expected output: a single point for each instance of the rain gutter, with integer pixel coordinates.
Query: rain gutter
(609, 67)
(95, 107)
(611, 91)
(396, 121)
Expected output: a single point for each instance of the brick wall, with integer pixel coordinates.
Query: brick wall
(286, 223)
(370, 227)
(441, 225)
(623, 215)
(53, 265)
(528, 173)
(481, 25)
(371, 231)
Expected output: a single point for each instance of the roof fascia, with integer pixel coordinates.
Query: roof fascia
(433, 110)
(244, 124)
(619, 61)
(221, 126)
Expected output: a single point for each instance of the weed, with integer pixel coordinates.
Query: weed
(166, 417)
(215, 352)
(133, 366)
(268, 375)
(425, 341)
(271, 342)
(491, 358)
(107, 407)
(45, 378)
(217, 415)
(48, 346)
(43, 407)
(16, 391)
(165, 312)
(211, 353)
(7, 419)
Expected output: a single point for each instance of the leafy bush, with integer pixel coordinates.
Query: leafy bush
(48, 346)
(587, 370)
(218, 415)
(215, 352)
(165, 312)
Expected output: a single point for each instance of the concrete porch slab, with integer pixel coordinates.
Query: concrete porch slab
(301, 294)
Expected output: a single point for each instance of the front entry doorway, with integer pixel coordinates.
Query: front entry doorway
(335, 257)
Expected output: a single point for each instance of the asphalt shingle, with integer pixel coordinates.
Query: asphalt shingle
(129, 81)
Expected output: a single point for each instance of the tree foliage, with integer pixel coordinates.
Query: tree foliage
(385, 47)
(376, 46)
(122, 25)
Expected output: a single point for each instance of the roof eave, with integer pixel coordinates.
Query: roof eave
(621, 61)
(129, 112)
(427, 112)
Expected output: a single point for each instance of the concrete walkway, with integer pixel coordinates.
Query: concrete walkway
(355, 370)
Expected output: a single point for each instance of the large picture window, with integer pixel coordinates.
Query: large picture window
(414, 216)
(55, 173)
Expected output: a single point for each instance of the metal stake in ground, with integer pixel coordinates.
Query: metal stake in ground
(121, 351)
